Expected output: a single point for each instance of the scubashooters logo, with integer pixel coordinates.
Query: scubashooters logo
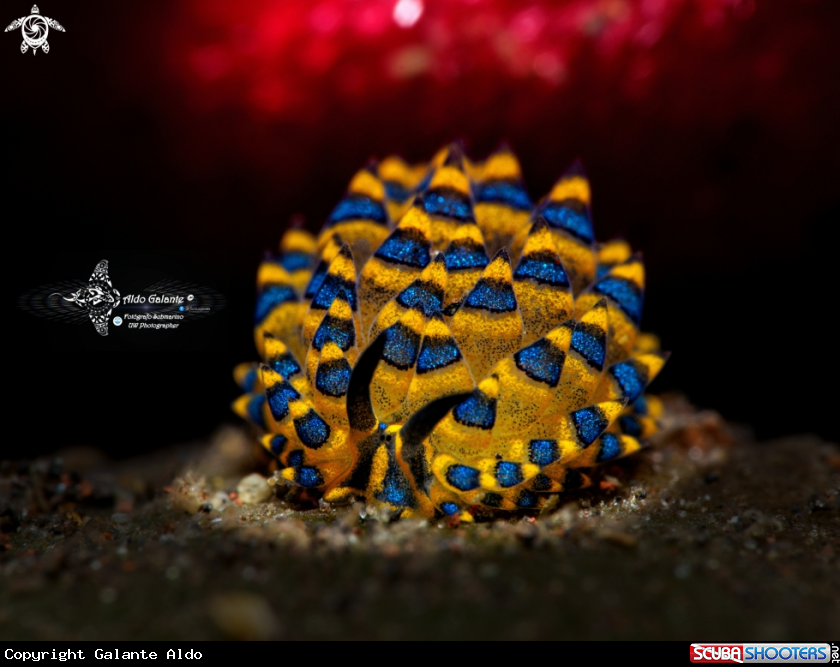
(796, 653)
(98, 298)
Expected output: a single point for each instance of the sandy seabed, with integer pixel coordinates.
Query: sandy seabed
(706, 536)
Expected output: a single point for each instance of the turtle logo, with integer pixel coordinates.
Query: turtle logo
(35, 29)
(98, 298)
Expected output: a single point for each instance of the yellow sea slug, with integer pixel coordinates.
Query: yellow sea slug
(446, 345)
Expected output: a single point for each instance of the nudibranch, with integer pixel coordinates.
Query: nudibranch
(445, 347)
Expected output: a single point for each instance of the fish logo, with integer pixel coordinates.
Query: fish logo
(98, 298)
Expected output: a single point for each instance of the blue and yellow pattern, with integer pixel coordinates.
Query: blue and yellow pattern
(445, 347)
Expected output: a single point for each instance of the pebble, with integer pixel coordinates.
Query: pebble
(253, 489)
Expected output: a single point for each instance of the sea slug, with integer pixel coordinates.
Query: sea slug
(445, 346)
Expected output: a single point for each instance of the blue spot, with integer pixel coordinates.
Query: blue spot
(478, 410)
(590, 343)
(541, 361)
(492, 500)
(543, 452)
(358, 208)
(312, 430)
(395, 489)
(279, 396)
(541, 483)
(631, 379)
(625, 293)
(308, 476)
(401, 345)
(332, 377)
(181, 308)
(450, 204)
(449, 509)
(527, 500)
(278, 444)
(465, 256)
(630, 426)
(249, 379)
(602, 270)
(342, 333)
(437, 352)
(508, 474)
(270, 298)
(317, 280)
(610, 448)
(565, 217)
(286, 365)
(546, 269)
(405, 247)
(330, 288)
(295, 261)
(295, 459)
(589, 423)
(396, 191)
(504, 192)
(394, 493)
(493, 295)
(255, 410)
(641, 405)
(573, 480)
(462, 478)
(423, 294)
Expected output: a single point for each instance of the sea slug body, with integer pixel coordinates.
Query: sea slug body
(446, 347)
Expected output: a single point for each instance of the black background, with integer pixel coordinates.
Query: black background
(104, 156)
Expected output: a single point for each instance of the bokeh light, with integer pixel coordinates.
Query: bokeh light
(708, 127)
